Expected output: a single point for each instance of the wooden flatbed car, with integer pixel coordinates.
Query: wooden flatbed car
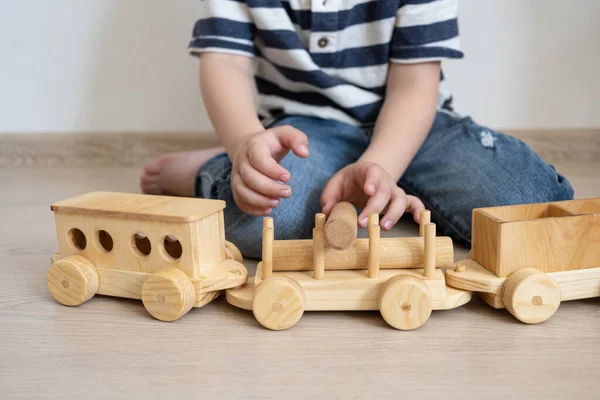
(396, 276)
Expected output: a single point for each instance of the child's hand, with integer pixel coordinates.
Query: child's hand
(256, 170)
(369, 187)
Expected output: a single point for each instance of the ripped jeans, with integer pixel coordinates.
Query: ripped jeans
(460, 166)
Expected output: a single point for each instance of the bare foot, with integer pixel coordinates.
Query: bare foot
(174, 173)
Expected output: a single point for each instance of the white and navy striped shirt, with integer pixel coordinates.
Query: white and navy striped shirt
(328, 58)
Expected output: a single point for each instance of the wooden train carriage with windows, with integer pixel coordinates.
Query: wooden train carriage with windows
(170, 252)
(528, 258)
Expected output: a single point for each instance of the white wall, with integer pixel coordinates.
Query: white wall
(116, 65)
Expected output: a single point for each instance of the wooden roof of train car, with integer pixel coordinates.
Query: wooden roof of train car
(140, 206)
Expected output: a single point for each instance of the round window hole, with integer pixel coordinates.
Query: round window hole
(106, 241)
(173, 247)
(142, 244)
(78, 239)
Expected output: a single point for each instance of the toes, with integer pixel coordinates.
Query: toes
(149, 185)
(150, 189)
(152, 168)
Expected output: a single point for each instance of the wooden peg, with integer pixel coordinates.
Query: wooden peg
(319, 247)
(374, 233)
(267, 248)
(424, 220)
(429, 259)
(341, 228)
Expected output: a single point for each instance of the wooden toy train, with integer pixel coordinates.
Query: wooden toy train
(172, 254)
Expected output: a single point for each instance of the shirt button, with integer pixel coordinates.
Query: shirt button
(323, 42)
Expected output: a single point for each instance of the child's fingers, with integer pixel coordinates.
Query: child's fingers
(261, 159)
(414, 206)
(372, 179)
(292, 138)
(263, 184)
(395, 209)
(375, 205)
(332, 194)
(251, 197)
(254, 211)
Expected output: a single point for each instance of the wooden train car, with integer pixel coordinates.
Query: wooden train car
(529, 258)
(170, 252)
(397, 276)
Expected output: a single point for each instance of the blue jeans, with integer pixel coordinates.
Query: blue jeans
(460, 166)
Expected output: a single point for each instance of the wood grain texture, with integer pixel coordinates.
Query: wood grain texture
(429, 261)
(374, 258)
(485, 239)
(531, 296)
(168, 294)
(128, 284)
(555, 210)
(547, 236)
(139, 206)
(401, 252)
(128, 237)
(474, 277)
(493, 300)
(242, 296)
(268, 237)
(550, 244)
(574, 285)
(341, 228)
(353, 290)
(278, 303)
(111, 348)
(72, 280)
(405, 302)
(319, 247)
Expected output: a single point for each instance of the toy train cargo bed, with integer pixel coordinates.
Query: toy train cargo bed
(350, 290)
(551, 237)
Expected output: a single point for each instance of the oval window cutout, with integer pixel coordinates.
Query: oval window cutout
(173, 247)
(106, 241)
(78, 239)
(142, 244)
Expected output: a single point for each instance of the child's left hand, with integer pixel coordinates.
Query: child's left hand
(370, 187)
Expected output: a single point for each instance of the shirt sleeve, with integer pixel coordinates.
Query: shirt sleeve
(426, 30)
(224, 26)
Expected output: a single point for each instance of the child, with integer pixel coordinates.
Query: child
(352, 88)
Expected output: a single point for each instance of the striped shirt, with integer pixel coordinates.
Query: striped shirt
(328, 58)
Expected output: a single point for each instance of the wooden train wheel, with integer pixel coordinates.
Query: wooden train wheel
(531, 295)
(72, 280)
(278, 303)
(168, 294)
(233, 253)
(405, 302)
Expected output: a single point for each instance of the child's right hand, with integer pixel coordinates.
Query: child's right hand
(256, 176)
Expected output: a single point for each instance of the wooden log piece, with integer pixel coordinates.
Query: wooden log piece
(341, 227)
(297, 255)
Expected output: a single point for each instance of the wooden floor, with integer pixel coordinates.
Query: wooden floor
(111, 348)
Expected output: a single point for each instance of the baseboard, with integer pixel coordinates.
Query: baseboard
(136, 148)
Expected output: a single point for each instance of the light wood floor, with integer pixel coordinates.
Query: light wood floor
(111, 348)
